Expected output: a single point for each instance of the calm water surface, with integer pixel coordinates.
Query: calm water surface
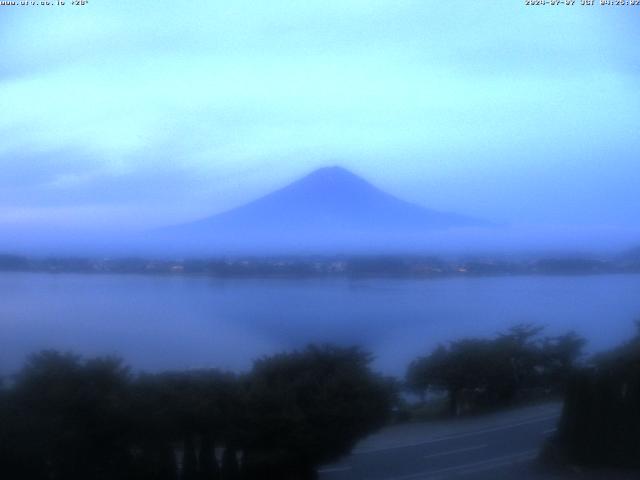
(156, 322)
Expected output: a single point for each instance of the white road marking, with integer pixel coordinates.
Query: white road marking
(460, 435)
(459, 450)
(483, 465)
(493, 464)
(334, 469)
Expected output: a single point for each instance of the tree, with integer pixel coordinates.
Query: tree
(600, 423)
(560, 359)
(309, 407)
(70, 418)
(230, 469)
(477, 372)
(179, 408)
(189, 459)
(208, 468)
(73, 413)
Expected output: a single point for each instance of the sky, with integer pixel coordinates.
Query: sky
(129, 115)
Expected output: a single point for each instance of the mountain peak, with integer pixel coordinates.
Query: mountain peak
(334, 172)
(334, 179)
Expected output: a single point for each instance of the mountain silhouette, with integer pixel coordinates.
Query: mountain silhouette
(330, 206)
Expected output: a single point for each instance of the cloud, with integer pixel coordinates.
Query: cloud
(192, 108)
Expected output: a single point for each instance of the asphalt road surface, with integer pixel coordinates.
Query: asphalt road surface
(497, 446)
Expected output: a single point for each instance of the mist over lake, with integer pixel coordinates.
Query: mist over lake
(165, 322)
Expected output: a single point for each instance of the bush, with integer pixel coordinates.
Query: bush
(66, 418)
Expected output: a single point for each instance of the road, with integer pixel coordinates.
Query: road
(497, 446)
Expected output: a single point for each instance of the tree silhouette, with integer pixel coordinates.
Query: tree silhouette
(208, 467)
(66, 418)
(478, 372)
(189, 459)
(309, 407)
(230, 469)
(75, 423)
(600, 423)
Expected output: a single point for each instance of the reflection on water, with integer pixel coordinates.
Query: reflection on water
(181, 322)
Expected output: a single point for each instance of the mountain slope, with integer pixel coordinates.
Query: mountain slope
(330, 205)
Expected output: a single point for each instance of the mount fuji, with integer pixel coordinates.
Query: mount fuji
(328, 208)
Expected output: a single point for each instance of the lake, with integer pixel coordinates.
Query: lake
(175, 322)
